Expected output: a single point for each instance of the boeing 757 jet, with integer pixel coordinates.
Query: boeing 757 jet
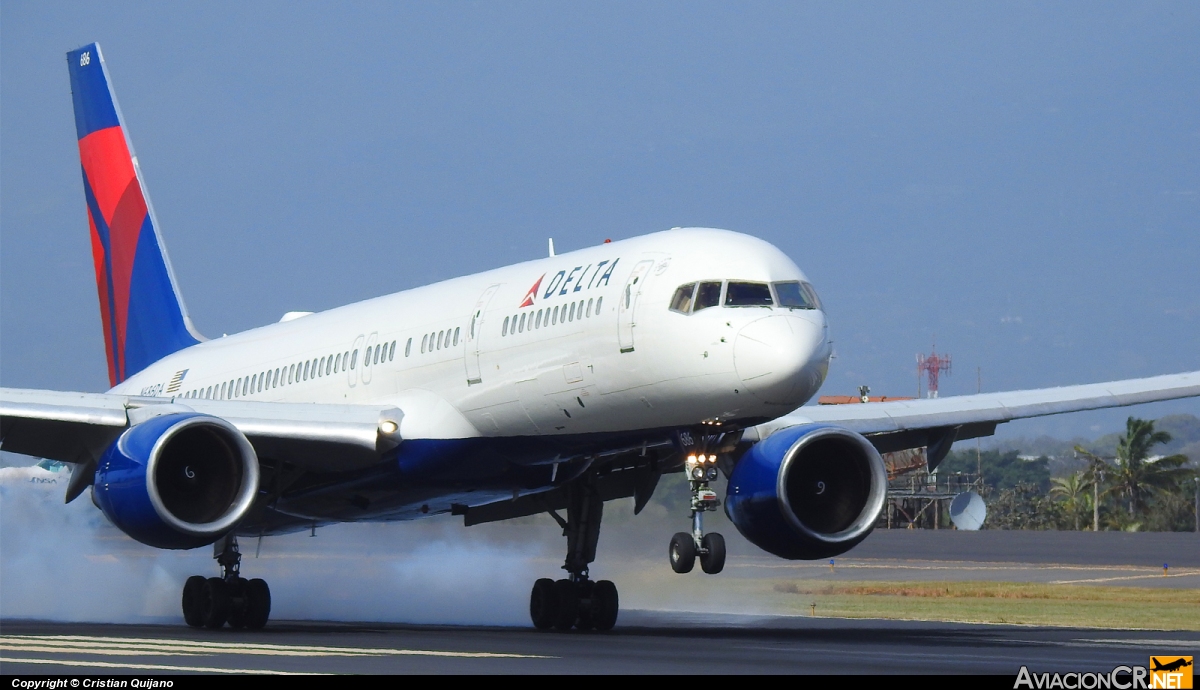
(550, 386)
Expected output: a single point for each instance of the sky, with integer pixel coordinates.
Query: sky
(1017, 182)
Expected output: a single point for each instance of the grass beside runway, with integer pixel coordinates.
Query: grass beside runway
(993, 602)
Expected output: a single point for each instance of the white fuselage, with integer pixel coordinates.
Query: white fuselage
(595, 348)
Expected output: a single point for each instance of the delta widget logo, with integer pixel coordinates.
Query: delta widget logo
(579, 278)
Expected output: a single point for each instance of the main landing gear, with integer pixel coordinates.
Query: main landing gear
(215, 601)
(576, 601)
(709, 548)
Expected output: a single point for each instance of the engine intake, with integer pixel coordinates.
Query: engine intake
(806, 492)
(177, 481)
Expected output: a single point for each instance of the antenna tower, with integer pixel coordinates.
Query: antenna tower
(933, 366)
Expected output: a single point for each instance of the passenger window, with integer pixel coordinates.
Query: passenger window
(682, 301)
(554, 317)
(521, 328)
(375, 360)
(291, 371)
(328, 364)
(456, 330)
(321, 367)
(537, 322)
(424, 339)
(598, 301)
(275, 379)
(408, 347)
(707, 295)
(354, 359)
(748, 295)
(306, 364)
(337, 362)
(589, 309)
(571, 315)
(392, 351)
(792, 295)
(504, 328)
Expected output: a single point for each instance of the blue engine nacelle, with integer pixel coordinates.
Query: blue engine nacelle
(177, 481)
(808, 491)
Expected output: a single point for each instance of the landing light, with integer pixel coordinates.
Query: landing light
(700, 467)
(388, 427)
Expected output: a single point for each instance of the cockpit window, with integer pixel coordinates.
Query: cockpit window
(748, 295)
(708, 295)
(682, 301)
(794, 294)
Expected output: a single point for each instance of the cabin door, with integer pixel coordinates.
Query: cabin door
(475, 335)
(627, 308)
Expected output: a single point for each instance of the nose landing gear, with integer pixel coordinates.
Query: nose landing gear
(709, 548)
(213, 602)
(577, 601)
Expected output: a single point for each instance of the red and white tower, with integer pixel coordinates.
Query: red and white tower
(933, 366)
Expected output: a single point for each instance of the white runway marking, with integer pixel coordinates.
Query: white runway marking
(1124, 577)
(1168, 644)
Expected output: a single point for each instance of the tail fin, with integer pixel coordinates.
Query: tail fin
(143, 313)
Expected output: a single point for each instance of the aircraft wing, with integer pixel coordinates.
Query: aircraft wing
(938, 422)
(78, 427)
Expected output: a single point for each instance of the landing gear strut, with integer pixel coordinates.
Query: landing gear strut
(213, 602)
(576, 601)
(709, 548)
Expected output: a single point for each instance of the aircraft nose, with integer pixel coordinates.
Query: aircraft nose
(779, 358)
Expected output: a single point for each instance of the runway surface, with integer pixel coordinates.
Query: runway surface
(66, 566)
(644, 642)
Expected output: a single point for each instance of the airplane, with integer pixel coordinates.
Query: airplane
(1182, 662)
(546, 387)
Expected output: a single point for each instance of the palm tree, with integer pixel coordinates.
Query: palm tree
(1072, 493)
(1096, 467)
(1134, 476)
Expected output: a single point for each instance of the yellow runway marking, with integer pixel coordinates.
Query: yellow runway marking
(152, 667)
(123, 645)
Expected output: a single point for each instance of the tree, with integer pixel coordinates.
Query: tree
(1072, 494)
(1134, 476)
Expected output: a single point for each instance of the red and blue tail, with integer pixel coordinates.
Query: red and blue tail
(143, 313)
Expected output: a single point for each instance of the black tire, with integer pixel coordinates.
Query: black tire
(605, 605)
(586, 590)
(214, 609)
(258, 604)
(682, 553)
(239, 603)
(568, 605)
(543, 604)
(713, 561)
(193, 594)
